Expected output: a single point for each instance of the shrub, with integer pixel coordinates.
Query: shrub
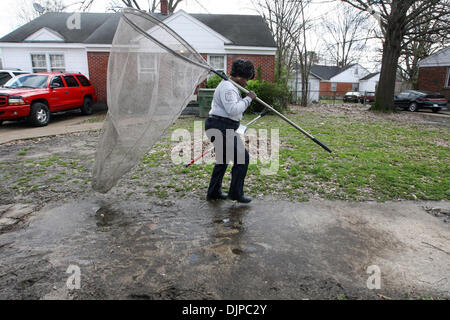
(213, 82)
(275, 94)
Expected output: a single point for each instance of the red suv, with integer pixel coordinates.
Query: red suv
(34, 96)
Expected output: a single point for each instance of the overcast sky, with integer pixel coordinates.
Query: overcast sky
(8, 12)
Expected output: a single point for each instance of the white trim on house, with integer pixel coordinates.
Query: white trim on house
(250, 50)
(49, 45)
(45, 34)
(98, 47)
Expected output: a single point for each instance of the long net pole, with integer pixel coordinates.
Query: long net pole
(223, 76)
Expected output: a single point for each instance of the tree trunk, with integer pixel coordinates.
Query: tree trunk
(279, 67)
(386, 86)
(391, 53)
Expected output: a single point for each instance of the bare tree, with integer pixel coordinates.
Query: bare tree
(283, 18)
(347, 30)
(304, 58)
(401, 23)
(149, 5)
(420, 46)
(26, 11)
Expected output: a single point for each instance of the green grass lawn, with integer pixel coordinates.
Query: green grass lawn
(373, 160)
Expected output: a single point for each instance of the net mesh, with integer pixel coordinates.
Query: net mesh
(152, 73)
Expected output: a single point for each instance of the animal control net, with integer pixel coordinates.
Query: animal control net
(152, 74)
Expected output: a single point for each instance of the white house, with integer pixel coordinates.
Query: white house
(295, 83)
(51, 43)
(369, 83)
(337, 81)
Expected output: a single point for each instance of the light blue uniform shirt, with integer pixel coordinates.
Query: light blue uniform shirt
(227, 102)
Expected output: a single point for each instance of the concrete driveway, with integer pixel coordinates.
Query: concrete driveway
(61, 123)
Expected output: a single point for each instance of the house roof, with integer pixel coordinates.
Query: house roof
(99, 28)
(370, 76)
(439, 59)
(90, 22)
(243, 30)
(328, 72)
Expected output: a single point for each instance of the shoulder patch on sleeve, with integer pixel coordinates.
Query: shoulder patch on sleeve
(230, 96)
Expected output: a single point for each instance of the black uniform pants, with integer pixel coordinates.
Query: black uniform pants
(228, 147)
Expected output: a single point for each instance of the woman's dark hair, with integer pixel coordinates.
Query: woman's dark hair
(244, 69)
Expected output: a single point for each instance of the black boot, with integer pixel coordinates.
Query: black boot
(221, 196)
(241, 199)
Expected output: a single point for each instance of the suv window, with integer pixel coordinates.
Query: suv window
(71, 82)
(84, 82)
(4, 77)
(58, 79)
(28, 81)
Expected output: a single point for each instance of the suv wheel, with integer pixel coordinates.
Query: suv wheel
(412, 107)
(86, 108)
(436, 110)
(39, 115)
(1, 121)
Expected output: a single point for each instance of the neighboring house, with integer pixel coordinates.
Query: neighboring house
(295, 83)
(369, 83)
(434, 73)
(337, 81)
(47, 44)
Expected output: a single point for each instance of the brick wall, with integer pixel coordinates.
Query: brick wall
(267, 64)
(341, 89)
(433, 79)
(98, 67)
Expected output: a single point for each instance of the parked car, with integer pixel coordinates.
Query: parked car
(414, 100)
(35, 96)
(369, 97)
(352, 97)
(6, 75)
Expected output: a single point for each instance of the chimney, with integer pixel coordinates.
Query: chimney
(164, 7)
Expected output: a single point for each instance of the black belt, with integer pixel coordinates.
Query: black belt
(224, 119)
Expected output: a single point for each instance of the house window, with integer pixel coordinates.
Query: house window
(334, 86)
(218, 63)
(43, 62)
(447, 82)
(356, 71)
(57, 63)
(147, 67)
(39, 63)
(355, 87)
